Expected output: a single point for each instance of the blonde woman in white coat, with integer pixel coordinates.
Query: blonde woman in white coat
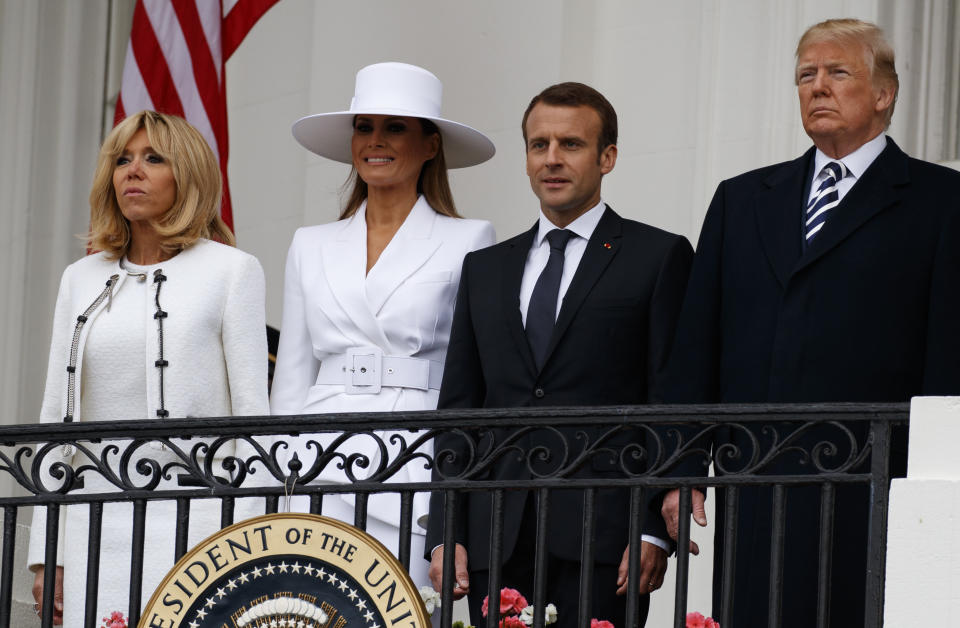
(377, 287)
(155, 208)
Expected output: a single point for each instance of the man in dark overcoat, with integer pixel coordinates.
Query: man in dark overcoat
(834, 277)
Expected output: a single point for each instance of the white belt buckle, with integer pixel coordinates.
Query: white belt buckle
(364, 370)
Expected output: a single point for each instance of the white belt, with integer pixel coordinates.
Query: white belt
(365, 370)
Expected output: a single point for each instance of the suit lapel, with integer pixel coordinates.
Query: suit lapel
(412, 245)
(512, 273)
(601, 249)
(779, 207)
(345, 264)
(874, 192)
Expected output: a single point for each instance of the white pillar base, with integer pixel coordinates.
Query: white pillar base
(923, 535)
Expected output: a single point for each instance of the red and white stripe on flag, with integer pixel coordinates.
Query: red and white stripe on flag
(175, 64)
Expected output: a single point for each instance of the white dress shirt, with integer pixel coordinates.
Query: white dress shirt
(856, 162)
(582, 229)
(539, 254)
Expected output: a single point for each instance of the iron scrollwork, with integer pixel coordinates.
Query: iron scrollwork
(551, 445)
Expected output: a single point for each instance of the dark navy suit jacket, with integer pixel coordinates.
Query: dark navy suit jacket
(609, 347)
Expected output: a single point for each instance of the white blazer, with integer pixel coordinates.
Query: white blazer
(404, 306)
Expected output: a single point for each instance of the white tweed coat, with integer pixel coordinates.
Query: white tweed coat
(214, 339)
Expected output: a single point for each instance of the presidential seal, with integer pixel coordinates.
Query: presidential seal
(288, 570)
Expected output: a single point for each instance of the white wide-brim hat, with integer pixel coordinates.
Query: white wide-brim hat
(393, 89)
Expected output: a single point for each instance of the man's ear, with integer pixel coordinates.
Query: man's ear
(608, 158)
(885, 95)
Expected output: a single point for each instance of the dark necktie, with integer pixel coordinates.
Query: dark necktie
(826, 198)
(542, 311)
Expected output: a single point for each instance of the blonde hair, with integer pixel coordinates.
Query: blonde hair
(433, 182)
(880, 56)
(195, 212)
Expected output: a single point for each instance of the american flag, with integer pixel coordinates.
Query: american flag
(175, 64)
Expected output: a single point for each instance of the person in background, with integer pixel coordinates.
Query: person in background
(166, 320)
(368, 299)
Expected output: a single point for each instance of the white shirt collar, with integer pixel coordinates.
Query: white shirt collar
(583, 226)
(856, 162)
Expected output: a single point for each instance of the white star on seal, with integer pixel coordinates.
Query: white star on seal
(295, 567)
(255, 572)
(283, 566)
(210, 602)
(201, 613)
(368, 616)
(308, 570)
(244, 578)
(332, 579)
(269, 569)
(374, 626)
(194, 624)
(352, 595)
(221, 593)
(362, 604)
(232, 584)
(300, 624)
(343, 585)
(321, 573)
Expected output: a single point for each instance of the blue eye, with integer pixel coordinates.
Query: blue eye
(155, 159)
(122, 160)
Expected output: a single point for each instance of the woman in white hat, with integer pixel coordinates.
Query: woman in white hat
(368, 300)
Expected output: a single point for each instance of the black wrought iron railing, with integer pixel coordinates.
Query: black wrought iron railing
(648, 448)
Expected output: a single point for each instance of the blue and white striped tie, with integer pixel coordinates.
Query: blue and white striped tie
(826, 198)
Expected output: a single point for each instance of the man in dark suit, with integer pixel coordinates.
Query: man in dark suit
(834, 277)
(579, 310)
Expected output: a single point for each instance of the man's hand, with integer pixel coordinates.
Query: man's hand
(671, 514)
(57, 595)
(462, 585)
(653, 564)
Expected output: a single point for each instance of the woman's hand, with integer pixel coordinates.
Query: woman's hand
(57, 595)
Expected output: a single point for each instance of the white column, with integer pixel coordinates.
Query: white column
(52, 57)
(18, 26)
(923, 538)
(926, 38)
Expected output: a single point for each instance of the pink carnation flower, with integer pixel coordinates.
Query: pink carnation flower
(512, 621)
(511, 602)
(696, 620)
(600, 623)
(115, 620)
